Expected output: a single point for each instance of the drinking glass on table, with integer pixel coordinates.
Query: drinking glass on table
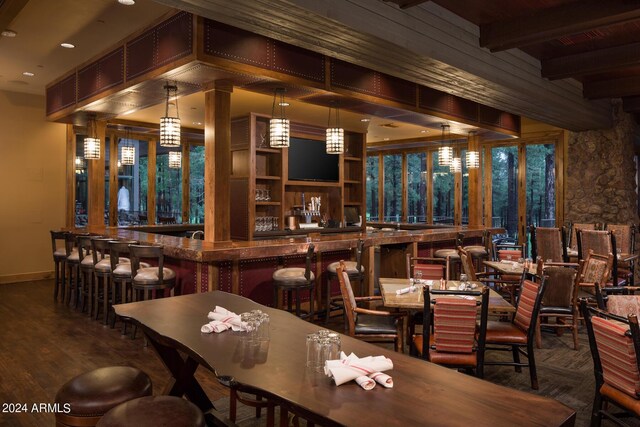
(417, 275)
(464, 281)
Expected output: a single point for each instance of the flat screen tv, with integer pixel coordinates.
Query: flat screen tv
(309, 161)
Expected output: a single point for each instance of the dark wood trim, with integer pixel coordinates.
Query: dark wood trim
(209, 166)
(222, 168)
(70, 177)
(631, 104)
(113, 180)
(613, 88)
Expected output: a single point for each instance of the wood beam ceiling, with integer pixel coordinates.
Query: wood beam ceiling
(613, 88)
(552, 23)
(406, 4)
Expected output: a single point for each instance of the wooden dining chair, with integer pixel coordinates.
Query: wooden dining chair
(369, 325)
(548, 243)
(430, 268)
(625, 236)
(615, 349)
(504, 284)
(456, 341)
(573, 232)
(601, 242)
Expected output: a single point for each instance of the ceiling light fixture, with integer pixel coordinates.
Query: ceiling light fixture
(128, 151)
(175, 159)
(127, 2)
(365, 120)
(456, 165)
(473, 157)
(67, 45)
(28, 74)
(9, 33)
(91, 142)
(169, 125)
(278, 126)
(335, 135)
(445, 152)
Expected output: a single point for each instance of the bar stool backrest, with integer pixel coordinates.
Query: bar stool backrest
(100, 248)
(117, 248)
(58, 240)
(148, 252)
(84, 246)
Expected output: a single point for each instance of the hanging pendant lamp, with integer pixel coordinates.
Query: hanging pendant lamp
(128, 151)
(473, 156)
(170, 125)
(175, 159)
(335, 135)
(91, 142)
(456, 165)
(279, 126)
(445, 152)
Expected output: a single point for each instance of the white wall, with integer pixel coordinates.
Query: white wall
(32, 185)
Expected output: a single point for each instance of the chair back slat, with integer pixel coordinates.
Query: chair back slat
(560, 287)
(118, 248)
(596, 240)
(454, 325)
(596, 268)
(147, 251)
(348, 298)
(100, 248)
(467, 265)
(549, 244)
(624, 236)
(430, 271)
(617, 355)
(58, 236)
(526, 304)
(431, 268)
(513, 254)
(573, 241)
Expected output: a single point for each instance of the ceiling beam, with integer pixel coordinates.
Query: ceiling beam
(613, 88)
(592, 62)
(9, 10)
(406, 4)
(631, 104)
(554, 22)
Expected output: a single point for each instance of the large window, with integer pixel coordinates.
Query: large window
(196, 184)
(504, 178)
(465, 188)
(82, 192)
(372, 188)
(392, 187)
(417, 187)
(129, 183)
(443, 193)
(168, 189)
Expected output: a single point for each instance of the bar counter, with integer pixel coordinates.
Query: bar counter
(245, 267)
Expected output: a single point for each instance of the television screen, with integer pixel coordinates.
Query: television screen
(309, 161)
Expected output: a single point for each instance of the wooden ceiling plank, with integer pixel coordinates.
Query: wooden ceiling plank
(551, 23)
(592, 62)
(613, 88)
(8, 12)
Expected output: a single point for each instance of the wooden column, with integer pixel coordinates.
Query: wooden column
(217, 154)
(113, 180)
(475, 185)
(457, 193)
(488, 195)
(380, 188)
(151, 184)
(96, 178)
(522, 193)
(186, 167)
(429, 195)
(70, 216)
(405, 188)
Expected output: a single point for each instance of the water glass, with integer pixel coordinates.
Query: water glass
(312, 351)
(263, 328)
(417, 275)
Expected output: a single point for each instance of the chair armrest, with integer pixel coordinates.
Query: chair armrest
(371, 298)
(380, 313)
(561, 264)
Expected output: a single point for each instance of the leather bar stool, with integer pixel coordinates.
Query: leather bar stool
(102, 272)
(148, 279)
(121, 272)
(86, 271)
(59, 251)
(480, 253)
(355, 271)
(153, 411)
(295, 279)
(454, 257)
(92, 394)
(73, 266)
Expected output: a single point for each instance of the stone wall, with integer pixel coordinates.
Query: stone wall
(600, 184)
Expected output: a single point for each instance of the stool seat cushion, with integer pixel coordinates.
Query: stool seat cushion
(74, 256)
(149, 275)
(292, 276)
(96, 392)
(352, 267)
(103, 266)
(443, 253)
(60, 253)
(123, 269)
(154, 411)
(477, 251)
(87, 261)
(371, 324)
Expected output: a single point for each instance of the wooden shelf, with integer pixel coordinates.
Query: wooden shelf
(312, 184)
(269, 150)
(268, 177)
(267, 203)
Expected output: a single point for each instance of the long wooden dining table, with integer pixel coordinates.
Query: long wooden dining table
(423, 393)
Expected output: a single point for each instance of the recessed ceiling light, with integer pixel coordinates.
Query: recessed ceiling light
(9, 33)
(386, 139)
(28, 74)
(197, 123)
(423, 131)
(365, 120)
(67, 45)
(127, 2)
(283, 104)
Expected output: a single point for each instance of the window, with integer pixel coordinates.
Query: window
(443, 193)
(196, 184)
(417, 187)
(82, 192)
(372, 188)
(504, 180)
(465, 188)
(168, 189)
(392, 187)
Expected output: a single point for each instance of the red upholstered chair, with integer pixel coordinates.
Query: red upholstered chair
(511, 282)
(430, 268)
(573, 235)
(369, 325)
(615, 348)
(457, 341)
(519, 334)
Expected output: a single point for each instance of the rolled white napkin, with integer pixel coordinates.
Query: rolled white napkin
(348, 368)
(382, 379)
(365, 382)
(221, 320)
(411, 288)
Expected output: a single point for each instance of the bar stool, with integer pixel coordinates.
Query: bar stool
(86, 271)
(102, 273)
(454, 257)
(152, 411)
(480, 253)
(59, 251)
(73, 265)
(121, 272)
(295, 279)
(90, 395)
(354, 270)
(147, 279)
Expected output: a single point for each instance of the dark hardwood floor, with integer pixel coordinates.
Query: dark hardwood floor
(44, 343)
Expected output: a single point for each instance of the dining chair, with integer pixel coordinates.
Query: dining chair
(559, 302)
(102, 272)
(157, 278)
(85, 284)
(369, 325)
(355, 270)
(505, 284)
(452, 254)
(519, 334)
(548, 243)
(481, 252)
(625, 236)
(59, 262)
(291, 280)
(456, 341)
(574, 227)
(601, 242)
(615, 349)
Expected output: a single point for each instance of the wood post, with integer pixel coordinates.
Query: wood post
(70, 217)
(186, 168)
(96, 177)
(113, 180)
(151, 182)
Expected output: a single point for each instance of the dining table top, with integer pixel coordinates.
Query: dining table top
(509, 267)
(414, 300)
(423, 393)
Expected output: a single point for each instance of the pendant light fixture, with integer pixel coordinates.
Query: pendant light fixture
(279, 125)
(445, 152)
(91, 142)
(335, 135)
(170, 125)
(473, 156)
(456, 165)
(128, 151)
(175, 159)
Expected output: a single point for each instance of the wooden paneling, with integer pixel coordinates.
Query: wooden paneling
(522, 193)
(70, 177)
(209, 166)
(96, 179)
(429, 169)
(240, 210)
(101, 75)
(113, 180)
(62, 94)
(488, 194)
(151, 178)
(222, 160)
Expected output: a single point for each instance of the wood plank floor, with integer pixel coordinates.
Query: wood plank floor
(44, 343)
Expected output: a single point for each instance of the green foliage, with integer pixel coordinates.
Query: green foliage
(372, 188)
(196, 185)
(392, 187)
(168, 188)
